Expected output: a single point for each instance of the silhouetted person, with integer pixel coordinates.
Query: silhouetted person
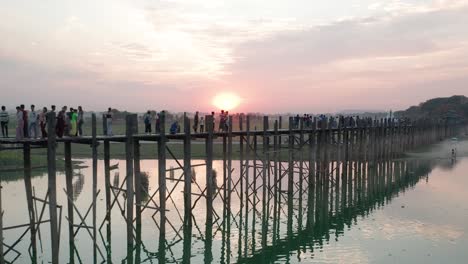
(195, 122)
(19, 123)
(109, 116)
(43, 122)
(202, 124)
(60, 126)
(158, 123)
(4, 120)
(147, 120)
(25, 121)
(80, 121)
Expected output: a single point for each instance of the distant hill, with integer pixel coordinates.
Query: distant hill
(455, 107)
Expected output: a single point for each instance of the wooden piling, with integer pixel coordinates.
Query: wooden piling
(29, 198)
(229, 165)
(131, 123)
(94, 145)
(187, 172)
(52, 188)
(2, 259)
(290, 158)
(138, 180)
(162, 171)
(107, 179)
(69, 189)
(209, 168)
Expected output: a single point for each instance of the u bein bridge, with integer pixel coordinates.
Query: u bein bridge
(289, 188)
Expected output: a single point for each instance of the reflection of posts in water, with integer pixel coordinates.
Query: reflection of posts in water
(52, 188)
(209, 168)
(131, 127)
(208, 257)
(138, 241)
(187, 250)
(69, 186)
(29, 198)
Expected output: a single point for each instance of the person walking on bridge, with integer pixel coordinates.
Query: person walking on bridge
(80, 121)
(109, 122)
(33, 131)
(43, 122)
(4, 119)
(195, 122)
(25, 121)
(147, 120)
(19, 123)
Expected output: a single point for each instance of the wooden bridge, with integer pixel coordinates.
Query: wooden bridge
(300, 174)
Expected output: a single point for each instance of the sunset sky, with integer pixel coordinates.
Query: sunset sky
(275, 55)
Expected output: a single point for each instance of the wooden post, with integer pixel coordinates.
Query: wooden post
(247, 197)
(265, 189)
(275, 178)
(107, 179)
(187, 172)
(138, 175)
(209, 168)
(290, 158)
(52, 188)
(229, 165)
(241, 186)
(69, 186)
(162, 171)
(94, 145)
(29, 198)
(301, 170)
(241, 162)
(2, 260)
(129, 151)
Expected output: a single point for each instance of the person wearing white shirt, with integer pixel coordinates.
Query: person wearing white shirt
(32, 118)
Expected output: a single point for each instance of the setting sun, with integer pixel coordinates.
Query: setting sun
(226, 101)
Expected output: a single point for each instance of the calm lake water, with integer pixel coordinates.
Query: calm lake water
(418, 215)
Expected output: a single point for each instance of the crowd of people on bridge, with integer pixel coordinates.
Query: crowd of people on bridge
(32, 124)
(69, 122)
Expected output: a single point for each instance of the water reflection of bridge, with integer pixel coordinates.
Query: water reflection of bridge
(287, 194)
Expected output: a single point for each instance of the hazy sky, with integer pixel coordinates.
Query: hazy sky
(277, 55)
